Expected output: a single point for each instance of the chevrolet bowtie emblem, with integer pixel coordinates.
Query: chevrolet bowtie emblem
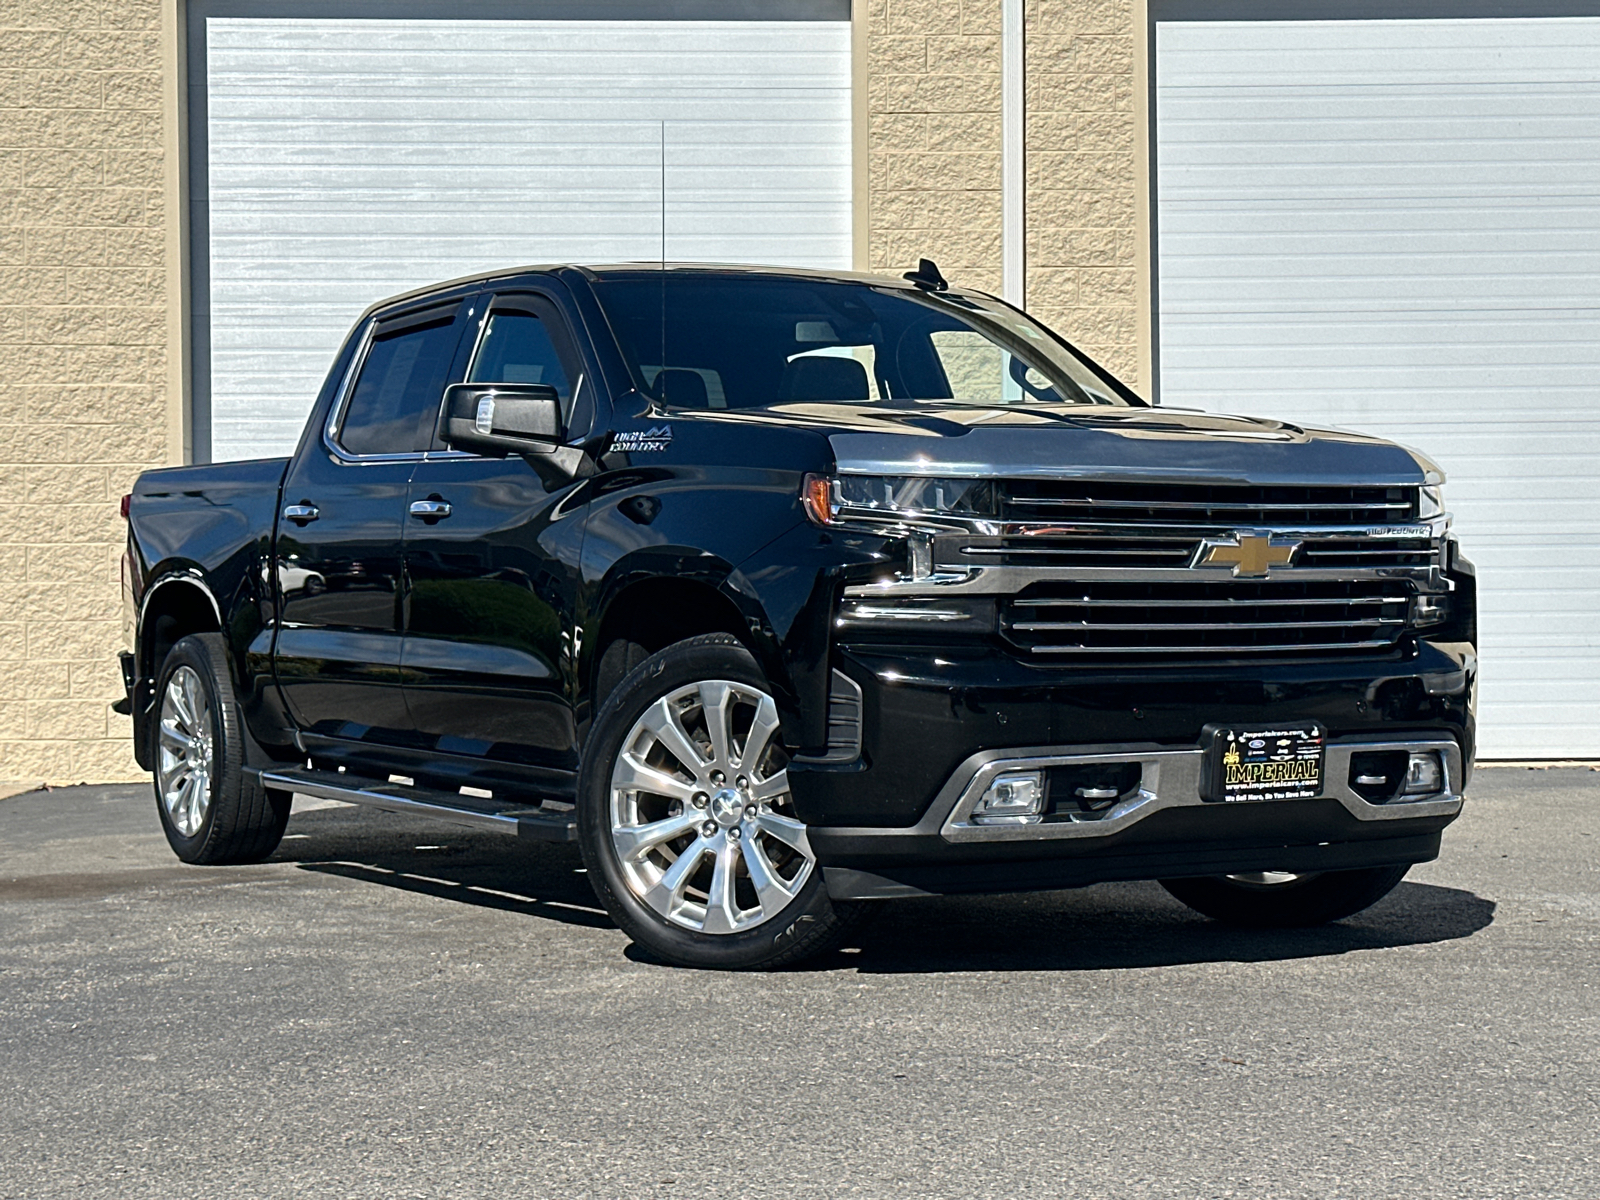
(1249, 554)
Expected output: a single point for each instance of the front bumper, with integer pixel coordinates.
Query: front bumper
(1161, 828)
(939, 724)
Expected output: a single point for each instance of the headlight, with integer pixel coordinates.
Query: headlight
(1430, 503)
(900, 499)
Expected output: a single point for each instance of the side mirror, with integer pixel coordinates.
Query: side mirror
(500, 418)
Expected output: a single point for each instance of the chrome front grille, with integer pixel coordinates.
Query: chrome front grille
(1106, 621)
(1124, 571)
(1091, 500)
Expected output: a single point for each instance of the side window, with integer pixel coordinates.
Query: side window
(395, 402)
(517, 348)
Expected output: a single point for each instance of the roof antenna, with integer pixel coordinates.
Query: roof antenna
(661, 391)
(927, 277)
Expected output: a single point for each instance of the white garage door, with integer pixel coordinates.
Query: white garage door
(352, 159)
(1394, 226)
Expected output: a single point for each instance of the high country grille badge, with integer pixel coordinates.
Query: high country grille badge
(637, 442)
(1251, 555)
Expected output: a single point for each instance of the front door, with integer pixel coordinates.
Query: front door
(492, 563)
(338, 556)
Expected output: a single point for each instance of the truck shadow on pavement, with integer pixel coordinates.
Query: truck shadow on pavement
(1110, 926)
(1128, 925)
(484, 870)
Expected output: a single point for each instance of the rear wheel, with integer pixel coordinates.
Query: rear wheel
(210, 811)
(686, 821)
(1285, 900)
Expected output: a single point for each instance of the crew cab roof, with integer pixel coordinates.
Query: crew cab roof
(602, 270)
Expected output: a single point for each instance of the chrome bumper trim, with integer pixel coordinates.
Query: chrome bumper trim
(1169, 779)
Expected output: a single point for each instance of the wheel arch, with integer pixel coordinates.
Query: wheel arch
(179, 602)
(653, 611)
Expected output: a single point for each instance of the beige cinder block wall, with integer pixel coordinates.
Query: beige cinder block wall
(1082, 197)
(934, 157)
(83, 363)
(933, 95)
(89, 394)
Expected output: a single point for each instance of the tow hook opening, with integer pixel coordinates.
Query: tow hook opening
(1385, 776)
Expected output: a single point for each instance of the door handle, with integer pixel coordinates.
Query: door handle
(301, 514)
(430, 510)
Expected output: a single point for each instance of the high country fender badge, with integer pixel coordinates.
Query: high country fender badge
(1251, 555)
(635, 442)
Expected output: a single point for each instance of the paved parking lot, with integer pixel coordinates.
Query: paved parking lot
(393, 1007)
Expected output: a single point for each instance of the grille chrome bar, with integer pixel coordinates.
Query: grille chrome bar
(1390, 553)
(1163, 502)
(1295, 648)
(1097, 551)
(1209, 506)
(1223, 603)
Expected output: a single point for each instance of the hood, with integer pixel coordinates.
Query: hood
(1064, 441)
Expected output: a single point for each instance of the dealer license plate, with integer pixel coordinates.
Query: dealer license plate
(1281, 762)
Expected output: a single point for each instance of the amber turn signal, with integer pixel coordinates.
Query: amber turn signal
(817, 496)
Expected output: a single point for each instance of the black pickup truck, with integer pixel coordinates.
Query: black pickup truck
(785, 591)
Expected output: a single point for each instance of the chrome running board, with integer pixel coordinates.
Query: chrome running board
(542, 823)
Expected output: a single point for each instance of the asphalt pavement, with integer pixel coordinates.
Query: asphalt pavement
(393, 1007)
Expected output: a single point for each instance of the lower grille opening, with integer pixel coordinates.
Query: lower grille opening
(1155, 622)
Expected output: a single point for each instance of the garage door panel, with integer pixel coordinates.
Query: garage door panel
(1395, 226)
(349, 160)
(1521, 337)
(1428, 52)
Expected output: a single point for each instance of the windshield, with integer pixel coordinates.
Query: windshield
(744, 341)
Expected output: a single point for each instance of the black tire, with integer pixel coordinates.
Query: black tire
(808, 924)
(1296, 903)
(243, 821)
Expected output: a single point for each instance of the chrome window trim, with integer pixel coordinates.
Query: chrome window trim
(1170, 779)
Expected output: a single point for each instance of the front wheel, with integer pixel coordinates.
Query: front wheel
(1284, 900)
(685, 818)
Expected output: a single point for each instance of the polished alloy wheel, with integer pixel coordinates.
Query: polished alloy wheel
(1267, 878)
(187, 757)
(702, 822)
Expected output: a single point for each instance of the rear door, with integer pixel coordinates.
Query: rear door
(492, 559)
(339, 549)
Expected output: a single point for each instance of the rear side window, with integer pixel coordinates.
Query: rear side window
(395, 402)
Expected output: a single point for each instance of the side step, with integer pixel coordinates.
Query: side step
(544, 824)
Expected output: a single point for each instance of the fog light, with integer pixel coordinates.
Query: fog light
(1429, 610)
(1424, 774)
(1016, 799)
